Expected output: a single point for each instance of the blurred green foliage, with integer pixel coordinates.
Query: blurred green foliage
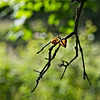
(32, 24)
(17, 77)
(57, 15)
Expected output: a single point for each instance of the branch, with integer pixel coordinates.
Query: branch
(61, 43)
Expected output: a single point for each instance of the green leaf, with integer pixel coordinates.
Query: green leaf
(27, 34)
(3, 3)
(53, 19)
(21, 13)
(71, 22)
(37, 6)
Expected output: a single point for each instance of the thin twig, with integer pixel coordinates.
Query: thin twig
(43, 47)
(84, 71)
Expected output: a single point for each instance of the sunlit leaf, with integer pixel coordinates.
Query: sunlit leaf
(27, 34)
(21, 13)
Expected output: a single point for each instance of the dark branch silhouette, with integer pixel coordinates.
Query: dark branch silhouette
(62, 42)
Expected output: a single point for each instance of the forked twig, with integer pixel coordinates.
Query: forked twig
(68, 63)
(46, 67)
